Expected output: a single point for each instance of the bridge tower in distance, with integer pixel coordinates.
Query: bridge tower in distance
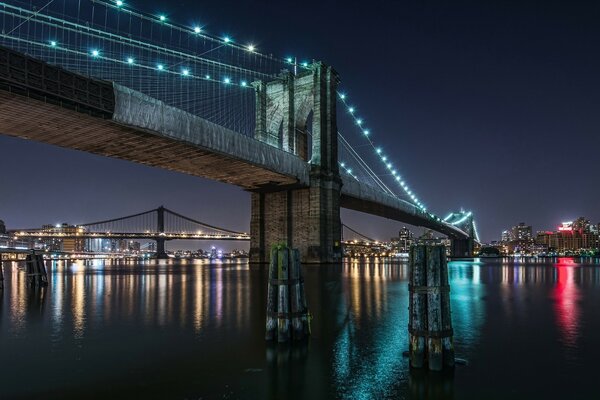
(161, 252)
(297, 113)
(461, 247)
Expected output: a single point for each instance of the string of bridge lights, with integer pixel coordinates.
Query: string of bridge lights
(351, 110)
(250, 48)
(379, 152)
(199, 30)
(96, 53)
(348, 170)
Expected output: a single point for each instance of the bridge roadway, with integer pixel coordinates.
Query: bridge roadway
(127, 235)
(51, 105)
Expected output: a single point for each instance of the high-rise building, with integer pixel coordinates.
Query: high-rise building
(522, 232)
(405, 239)
(67, 244)
(518, 239)
(572, 237)
(506, 236)
(4, 238)
(581, 225)
(98, 245)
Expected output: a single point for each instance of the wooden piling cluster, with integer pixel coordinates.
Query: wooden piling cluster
(430, 323)
(287, 312)
(36, 270)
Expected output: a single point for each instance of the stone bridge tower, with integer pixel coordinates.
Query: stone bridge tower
(297, 113)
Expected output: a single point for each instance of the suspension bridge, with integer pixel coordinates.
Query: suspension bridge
(160, 225)
(107, 78)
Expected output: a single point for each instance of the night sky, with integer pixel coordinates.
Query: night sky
(490, 106)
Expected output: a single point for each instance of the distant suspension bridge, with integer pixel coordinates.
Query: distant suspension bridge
(160, 224)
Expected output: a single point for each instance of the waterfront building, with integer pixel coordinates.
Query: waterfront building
(134, 247)
(518, 239)
(66, 244)
(402, 243)
(361, 248)
(4, 238)
(405, 239)
(522, 232)
(98, 245)
(571, 237)
(506, 236)
(581, 225)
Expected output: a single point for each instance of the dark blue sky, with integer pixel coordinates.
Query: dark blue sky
(490, 106)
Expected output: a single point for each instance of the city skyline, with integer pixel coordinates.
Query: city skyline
(497, 106)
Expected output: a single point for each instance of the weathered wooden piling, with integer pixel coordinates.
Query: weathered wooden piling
(36, 270)
(430, 323)
(272, 295)
(418, 306)
(1, 274)
(283, 311)
(287, 313)
(448, 334)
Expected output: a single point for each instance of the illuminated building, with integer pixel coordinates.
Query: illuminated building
(522, 232)
(361, 248)
(134, 246)
(518, 239)
(66, 244)
(402, 243)
(4, 238)
(405, 237)
(581, 225)
(571, 237)
(98, 245)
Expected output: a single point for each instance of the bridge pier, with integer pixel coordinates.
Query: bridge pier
(462, 248)
(307, 219)
(161, 251)
(304, 218)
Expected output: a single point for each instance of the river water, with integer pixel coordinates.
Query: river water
(190, 330)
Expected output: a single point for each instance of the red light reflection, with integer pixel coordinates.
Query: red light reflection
(566, 297)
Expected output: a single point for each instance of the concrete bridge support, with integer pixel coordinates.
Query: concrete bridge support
(161, 252)
(304, 218)
(462, 248)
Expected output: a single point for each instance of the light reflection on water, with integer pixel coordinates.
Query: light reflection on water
(368, 361)
(189, 329)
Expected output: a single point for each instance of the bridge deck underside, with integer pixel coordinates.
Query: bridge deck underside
(361, 197)
(28, 118)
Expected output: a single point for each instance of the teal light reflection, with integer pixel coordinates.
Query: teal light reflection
(368, 361)
(467, 294)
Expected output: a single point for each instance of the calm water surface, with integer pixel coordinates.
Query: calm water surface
(193, 330)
